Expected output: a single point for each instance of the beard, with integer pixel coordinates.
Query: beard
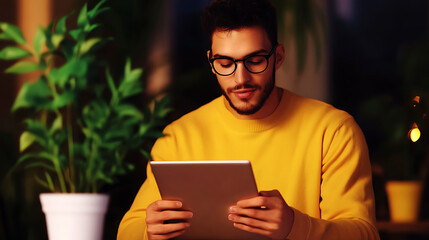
(252, 109)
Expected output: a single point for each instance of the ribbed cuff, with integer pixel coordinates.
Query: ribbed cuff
(301, 224)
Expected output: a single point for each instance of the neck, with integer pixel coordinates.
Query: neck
(269, 107)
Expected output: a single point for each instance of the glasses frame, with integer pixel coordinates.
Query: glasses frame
(266, 56)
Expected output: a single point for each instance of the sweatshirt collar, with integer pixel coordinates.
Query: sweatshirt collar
(252, 125)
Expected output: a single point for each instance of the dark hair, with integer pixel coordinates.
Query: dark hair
(229, 15)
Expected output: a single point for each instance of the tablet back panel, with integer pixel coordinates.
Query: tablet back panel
(208, 189)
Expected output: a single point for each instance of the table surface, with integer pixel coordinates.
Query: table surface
(421, 227)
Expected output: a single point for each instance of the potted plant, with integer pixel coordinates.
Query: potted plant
(402, 126)
(81, 126)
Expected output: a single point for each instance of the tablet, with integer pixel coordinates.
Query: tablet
(208, 189)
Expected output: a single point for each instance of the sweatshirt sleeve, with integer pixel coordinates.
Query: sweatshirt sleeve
(347, 208)
(133, 224)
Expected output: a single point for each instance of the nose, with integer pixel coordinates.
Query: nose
(241, 75)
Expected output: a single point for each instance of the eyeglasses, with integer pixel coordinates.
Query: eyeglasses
(226, 66)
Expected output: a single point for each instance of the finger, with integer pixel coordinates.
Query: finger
(252, 229)
(164, 205)
(257, 213)
(175, 215)
(172, 235)
(260, 202)
(160, 217)
(252, 222)
(167, 229)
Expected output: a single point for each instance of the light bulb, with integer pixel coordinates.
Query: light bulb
(414, 133)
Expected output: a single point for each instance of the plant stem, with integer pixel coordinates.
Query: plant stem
(60, 175)
(90, 171)
(71, 148)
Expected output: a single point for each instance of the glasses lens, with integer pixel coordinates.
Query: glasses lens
(256, 64)
(224, 66)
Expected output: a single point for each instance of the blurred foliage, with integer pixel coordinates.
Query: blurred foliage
(393, 117)
(132, 24)
(83, 127)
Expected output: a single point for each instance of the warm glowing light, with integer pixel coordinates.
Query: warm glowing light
(416, 100)
(414, 133)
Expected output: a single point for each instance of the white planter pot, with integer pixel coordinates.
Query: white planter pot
(71, 216)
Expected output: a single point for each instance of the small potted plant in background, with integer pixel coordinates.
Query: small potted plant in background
(403, 143)
(82, 123)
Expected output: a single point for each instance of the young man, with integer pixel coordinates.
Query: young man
(309, 159)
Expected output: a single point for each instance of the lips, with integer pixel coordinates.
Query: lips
(244, 94)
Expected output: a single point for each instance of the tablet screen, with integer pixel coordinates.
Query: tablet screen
(208, 189)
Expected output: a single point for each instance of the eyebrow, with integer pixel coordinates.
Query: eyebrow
(250, 54)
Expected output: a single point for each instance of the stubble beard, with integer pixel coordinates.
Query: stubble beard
(267, 89)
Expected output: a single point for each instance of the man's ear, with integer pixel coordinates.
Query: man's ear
(280, 55)
(208, 59)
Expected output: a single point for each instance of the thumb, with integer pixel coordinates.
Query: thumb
(272, 193)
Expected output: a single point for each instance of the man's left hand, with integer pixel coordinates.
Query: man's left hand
(267, 215)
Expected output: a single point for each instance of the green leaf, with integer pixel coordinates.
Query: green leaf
(129, 88)
(99, 44)
(39, 131)
(96, 10)
(61, 27)
(24, 67)
(145, 154)
(75, 33)
(128, 110)
(112, 145)
(50, 182)
(132, 75)
(131, 166)
(74, 68)
(11, 53)
(41, 156)
(37, 95)
(144, 128)
(63, 99)
(39, 40)
(47, 40)
(25, 140)
(122, 133)
(96, 114)
(102, 176)
(82, 19)
(56, 39)
(130, 84)
(39, 165)
(161, 109)
(57, 124)
(11, 32)
(90, 28)
(127, 69)
(88, 44)
(111, 83)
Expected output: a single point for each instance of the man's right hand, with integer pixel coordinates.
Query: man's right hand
(159, 213)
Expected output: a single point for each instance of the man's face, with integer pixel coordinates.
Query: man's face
(246, 92)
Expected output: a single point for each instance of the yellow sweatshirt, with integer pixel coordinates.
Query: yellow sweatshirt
(314, 154)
